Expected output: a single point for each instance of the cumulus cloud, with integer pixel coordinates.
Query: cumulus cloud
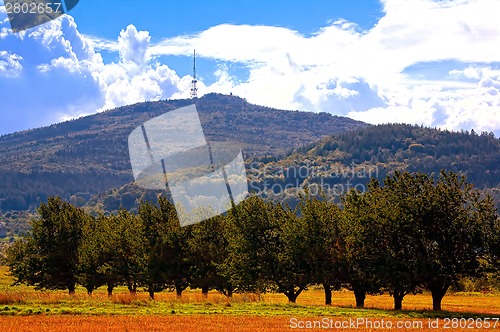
(49, 73)
(54, 73)
(470, 108)
(477, 108)
(134, 78)
(133, 45)
(342, 69)
(10, 64)
(130, 80)
(363, 74)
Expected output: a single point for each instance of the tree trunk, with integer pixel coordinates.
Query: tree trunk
(229, 291)
(110, 288)
(204, 291)
(178, 290)
(398, 300)
(292, 295)
(71, 289)
(132, 288)
(438, 292)
(360, 295)
(151, 293)
(328, 293)
(129, 285)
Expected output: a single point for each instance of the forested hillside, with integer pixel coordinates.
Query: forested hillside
(411, 233)
(417, 148)
(350, 159)
(86, 161)
(87, 156)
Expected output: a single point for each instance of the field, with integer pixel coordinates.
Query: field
(24, 309)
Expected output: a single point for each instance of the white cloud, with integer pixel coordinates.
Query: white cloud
(224, 81)
(133, 45)
(10, 64)
(363, 73)
(477, 108)
(132, 79)
(135, 78)
(152, 84)
(59, 61)
(339, 69)
(102, 44)
(184, 88)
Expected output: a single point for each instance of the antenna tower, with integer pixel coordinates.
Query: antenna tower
(194, 89)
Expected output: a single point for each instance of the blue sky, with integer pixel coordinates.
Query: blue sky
(429, 62)
(168, 19)
(172, 18)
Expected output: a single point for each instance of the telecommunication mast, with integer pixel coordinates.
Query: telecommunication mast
(194, 89)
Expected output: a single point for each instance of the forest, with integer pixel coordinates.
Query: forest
(353, 158)
(89, 155)
(406, 234)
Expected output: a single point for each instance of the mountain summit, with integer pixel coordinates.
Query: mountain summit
(89, 155)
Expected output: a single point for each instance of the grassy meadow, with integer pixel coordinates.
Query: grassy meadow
(24, 309)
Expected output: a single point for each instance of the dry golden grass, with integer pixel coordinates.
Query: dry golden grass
(143, 323)
(122, 296)
(216, 323)
(470, 303)
(479, 304)
(28, 310)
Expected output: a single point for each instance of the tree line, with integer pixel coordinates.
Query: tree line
(412, 232)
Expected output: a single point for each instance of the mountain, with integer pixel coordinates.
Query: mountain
(86, 160)
(80, 158)
(350, 159)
